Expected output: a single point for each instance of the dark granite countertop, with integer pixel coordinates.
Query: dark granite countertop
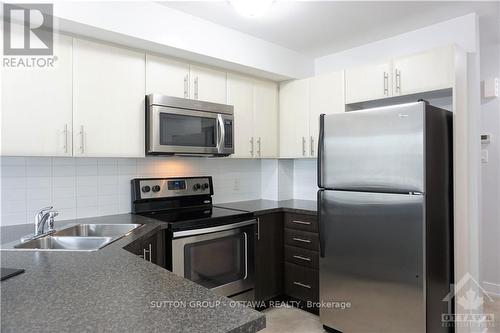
(259, 207)
(109, 290)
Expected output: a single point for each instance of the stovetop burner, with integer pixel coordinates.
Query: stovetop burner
(197, 218)
(185, 203)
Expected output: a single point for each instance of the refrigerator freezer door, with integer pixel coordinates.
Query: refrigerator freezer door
(372, 257)
(373, 150)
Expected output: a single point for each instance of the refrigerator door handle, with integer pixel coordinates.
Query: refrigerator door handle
(321, 233)
(320, 149)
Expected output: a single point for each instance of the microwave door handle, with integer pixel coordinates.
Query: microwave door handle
(222, 134)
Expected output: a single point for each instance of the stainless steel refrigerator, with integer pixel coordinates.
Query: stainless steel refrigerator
(385, 214)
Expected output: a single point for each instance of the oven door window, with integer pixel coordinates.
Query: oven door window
(216, 262)
(180, 130)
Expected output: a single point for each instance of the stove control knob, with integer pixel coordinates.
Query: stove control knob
(196, 187)
(204, 186)
(146, 189)
(156, 188)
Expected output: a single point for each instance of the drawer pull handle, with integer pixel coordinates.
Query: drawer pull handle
(301, 240)
(301, 222)
(302, 285)
(302, 258)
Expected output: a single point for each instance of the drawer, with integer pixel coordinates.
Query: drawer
(301, 222)
(302, 239)
(301, 282)
(302, 257)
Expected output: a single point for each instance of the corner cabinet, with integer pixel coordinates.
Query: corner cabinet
(301, 103)
(294, 118)
(265, 125)
(108, 100)
(326, 95)
(269, 250)
(36, 106)
(255, 116)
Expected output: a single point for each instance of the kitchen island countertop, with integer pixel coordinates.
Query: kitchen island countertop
(110, 290)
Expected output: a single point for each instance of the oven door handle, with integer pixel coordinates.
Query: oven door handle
(194, 232)
(246, 256)
(221, 134)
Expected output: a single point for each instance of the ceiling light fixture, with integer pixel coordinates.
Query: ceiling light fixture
(251, 8)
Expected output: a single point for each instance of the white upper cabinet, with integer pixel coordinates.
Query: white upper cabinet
(426, 71)
(255, 116)
(108, 100)
(326, 95)
(368, 83)
(207, 84)
(265, 125)
(36, 106)
(240, 95)
(166, 77)
(294, 118)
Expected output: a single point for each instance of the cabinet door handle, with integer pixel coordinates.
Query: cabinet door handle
(312, 146)
(186, 82)
(301, 222)
(65, 138)
(251, 146)
(302, 285)
(398, 80)
(82, 139)
(303, 146)
(259, 146)
(386, 83)
(301, 240)
(258, 229)
(147, 251)
(196, 88)
(302, 258)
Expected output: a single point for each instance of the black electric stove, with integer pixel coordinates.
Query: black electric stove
(184, 203)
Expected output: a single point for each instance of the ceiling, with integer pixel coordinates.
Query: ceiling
(317, 28)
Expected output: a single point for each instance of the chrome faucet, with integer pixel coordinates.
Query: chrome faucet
(43, 218)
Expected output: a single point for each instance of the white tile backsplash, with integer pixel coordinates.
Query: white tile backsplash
(87, 187)
(305, 184)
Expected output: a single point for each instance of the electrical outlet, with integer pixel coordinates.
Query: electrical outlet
(236, 185)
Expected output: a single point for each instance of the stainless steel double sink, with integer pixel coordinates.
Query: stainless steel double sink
(80, 237)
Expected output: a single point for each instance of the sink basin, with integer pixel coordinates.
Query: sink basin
(97, 230)
(65, 243)
(79, 237)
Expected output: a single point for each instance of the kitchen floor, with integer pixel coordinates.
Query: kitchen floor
(291, 320)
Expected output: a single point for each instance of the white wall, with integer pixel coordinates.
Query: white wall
(154, 27)
(490, 172)
(459, 31)
(86, 187)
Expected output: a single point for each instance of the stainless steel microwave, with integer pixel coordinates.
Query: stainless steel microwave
(178, 126)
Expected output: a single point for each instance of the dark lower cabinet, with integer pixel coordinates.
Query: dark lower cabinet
(302, 260)
(151, 248)
(301, 283)
(287, 259)
(269, 255)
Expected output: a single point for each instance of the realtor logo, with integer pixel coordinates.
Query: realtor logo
(470, 297)
(28, 29)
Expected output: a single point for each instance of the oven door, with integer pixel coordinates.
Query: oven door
(182, 131)
(219, 258)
